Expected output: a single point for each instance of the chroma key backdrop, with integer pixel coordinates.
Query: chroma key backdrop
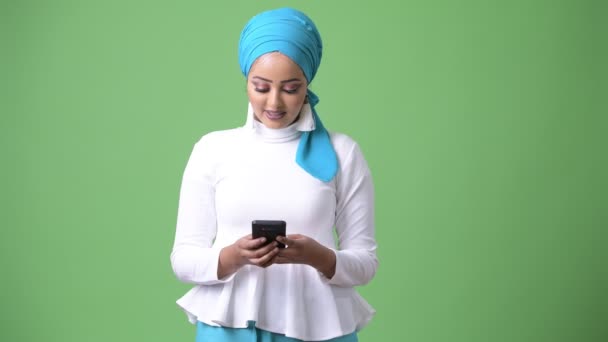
(483, 122)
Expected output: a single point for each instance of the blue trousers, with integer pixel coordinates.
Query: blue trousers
(208, 333)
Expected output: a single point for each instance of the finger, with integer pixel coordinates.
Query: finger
(245, 241)
(265, 249)
(286, 241)
(265, 259)
(295, 236)
(245, 238)
(254, 243)
(279, 259)
(287, 253)
(259, 252)
(282, 259)
(270, 262)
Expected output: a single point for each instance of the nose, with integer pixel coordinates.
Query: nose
(274, 102)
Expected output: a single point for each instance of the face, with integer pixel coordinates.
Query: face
(276, 87)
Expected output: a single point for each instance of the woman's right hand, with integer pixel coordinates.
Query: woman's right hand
(246, 251)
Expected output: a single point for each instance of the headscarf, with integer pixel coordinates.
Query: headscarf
(293, 34)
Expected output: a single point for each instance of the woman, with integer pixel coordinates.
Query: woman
(282, 165)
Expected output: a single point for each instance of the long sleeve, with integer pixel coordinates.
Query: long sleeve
(193, 258)
(356, 260)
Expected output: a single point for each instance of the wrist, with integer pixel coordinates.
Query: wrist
(229, 261)
(326, 262)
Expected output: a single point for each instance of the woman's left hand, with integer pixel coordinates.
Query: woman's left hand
(301, 249)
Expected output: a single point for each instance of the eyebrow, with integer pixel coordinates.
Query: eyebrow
(269, 81)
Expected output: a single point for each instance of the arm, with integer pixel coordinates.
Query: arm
(356, 260)
(193, 259)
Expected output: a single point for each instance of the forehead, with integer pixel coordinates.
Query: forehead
(276, 66)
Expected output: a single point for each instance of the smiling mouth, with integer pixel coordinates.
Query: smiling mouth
(274, 115)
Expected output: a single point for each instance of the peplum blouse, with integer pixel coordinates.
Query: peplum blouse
(249, 173)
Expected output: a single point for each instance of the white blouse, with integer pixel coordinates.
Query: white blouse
(236, 176)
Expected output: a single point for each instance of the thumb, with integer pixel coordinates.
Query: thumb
(286, 241)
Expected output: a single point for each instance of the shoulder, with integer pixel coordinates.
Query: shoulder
(350, 157)
(344, 145)
(213, 145)
(219, 138)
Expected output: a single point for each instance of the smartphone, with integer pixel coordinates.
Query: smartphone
(269, 229)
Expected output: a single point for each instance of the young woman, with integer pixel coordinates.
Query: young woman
(282, 165)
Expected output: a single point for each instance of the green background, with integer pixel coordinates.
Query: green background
(484, 124)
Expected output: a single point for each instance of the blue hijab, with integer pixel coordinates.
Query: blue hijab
(293, 34)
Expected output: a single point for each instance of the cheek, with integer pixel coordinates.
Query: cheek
(254, 98)
(296, 102)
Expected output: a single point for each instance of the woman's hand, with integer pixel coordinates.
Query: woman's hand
(302, 249)
(246, 251)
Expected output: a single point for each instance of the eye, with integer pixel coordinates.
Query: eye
(262, 90)
(291, 90)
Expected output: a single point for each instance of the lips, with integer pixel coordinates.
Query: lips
(274, 115)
